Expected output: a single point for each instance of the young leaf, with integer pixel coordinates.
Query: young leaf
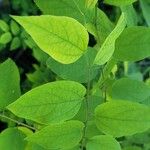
(108, 47)
(50, 103)
(131, 90)
(122, 118)
(5, 38)
(145, 5)
(137, 47)
(119, 2)
(103, 26)
(59, 136)
(4, 26)
(103, 142)
(63, 38)
(77, 71)
(9, 83)
(12, 139)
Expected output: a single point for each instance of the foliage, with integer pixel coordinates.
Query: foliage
(73, 75)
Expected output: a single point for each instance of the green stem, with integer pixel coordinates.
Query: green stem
(17, 122)
(83, 141)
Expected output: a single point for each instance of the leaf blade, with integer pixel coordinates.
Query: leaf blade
(63, 38)
(50, 103)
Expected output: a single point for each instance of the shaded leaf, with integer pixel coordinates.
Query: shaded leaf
(9, 83)
(103, 142)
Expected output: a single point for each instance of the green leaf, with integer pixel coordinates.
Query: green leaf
(12, 139)
(9, 83)
(59, 136)
(4, 26)
(103, 26)
(77, 9)
(119, 2)
(131, 90)
(50, 103)
(122, 118)
(77, 71)
(63, 38)
(131, 15)
(136, 47)
(5, 38)
(15, 29)
(108, 47)
(103, 142)
(90, 3)
(70, 8)
(145, 5)
(15, 43)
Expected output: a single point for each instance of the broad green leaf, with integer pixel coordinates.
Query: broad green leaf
(137, 46)
(131, 90)
(103, 26)
(103, 142)
(59, 136)
(131, 15)
(77, 9)
(63, 38)
(122, 118)
(82, 70)
(12, 139)
(145, 5)
(9, 83)
(119, 2)
(70, 8)
(50, 103)
(108, 47)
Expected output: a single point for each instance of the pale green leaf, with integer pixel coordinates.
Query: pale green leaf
(103, 142)
(82, 70)
(108, 47)
(52, 102)
(9, 83)
(122, 118)
(59, 136)
(137, 46)
(145, 5)
(119, 2)
(63, 38)
(103, 26)
(12, 139)
(131, 90)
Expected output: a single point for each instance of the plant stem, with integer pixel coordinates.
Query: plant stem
(86, 111)
(17, 122)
